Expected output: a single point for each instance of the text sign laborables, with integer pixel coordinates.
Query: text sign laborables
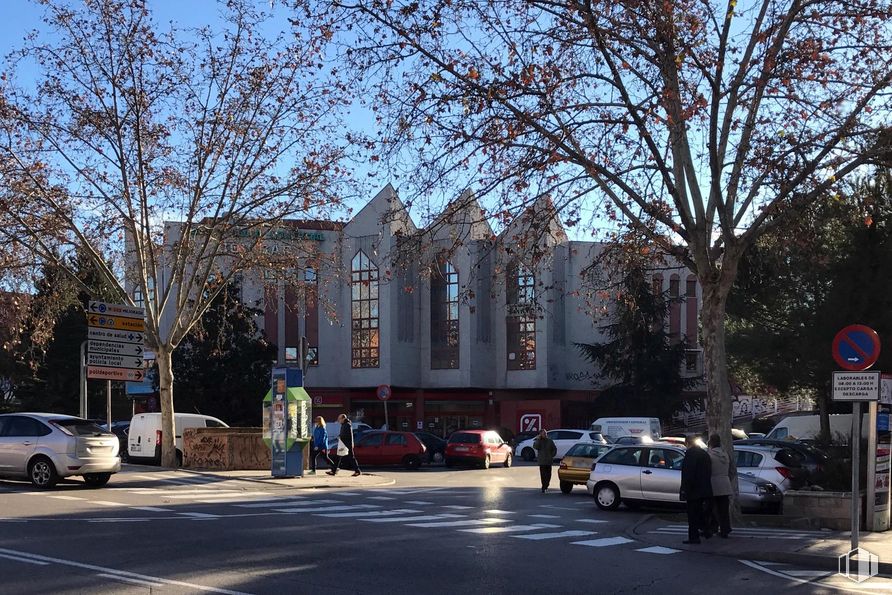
(856, 386)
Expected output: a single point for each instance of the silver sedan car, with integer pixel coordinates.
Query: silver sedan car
(45, 447)
(641, 474)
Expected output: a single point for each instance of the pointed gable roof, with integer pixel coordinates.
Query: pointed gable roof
(384, 210)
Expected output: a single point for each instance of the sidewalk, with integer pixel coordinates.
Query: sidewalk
(816, 549)
(344, 479)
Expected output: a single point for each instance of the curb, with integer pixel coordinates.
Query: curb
(815, 561)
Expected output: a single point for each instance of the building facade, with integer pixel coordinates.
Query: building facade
(460, 326)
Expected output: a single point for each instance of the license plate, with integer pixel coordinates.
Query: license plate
(135, 447)
(461, 449)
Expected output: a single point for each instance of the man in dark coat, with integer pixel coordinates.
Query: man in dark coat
(345, 437)
(696, 489)
(546, 451)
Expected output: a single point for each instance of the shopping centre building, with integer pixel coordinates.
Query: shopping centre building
(462, 328)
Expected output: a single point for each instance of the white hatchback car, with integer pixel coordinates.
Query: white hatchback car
(563, 440)
(45, 447)
(778, 465)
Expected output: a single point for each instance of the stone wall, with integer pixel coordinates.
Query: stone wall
(831, 510)
(225, 449)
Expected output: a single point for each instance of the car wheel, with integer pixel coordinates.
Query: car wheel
(97, 480)
(437, 457)
(528, 454)
(179, 459)
(412, 461)
(566, 487)
(486, 462)
(607, 496)
(508, 460)
(42, 473)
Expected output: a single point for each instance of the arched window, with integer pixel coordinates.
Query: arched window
(444, 317)
(365, 333)
(520, 323)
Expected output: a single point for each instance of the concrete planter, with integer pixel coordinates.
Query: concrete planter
(830, 510)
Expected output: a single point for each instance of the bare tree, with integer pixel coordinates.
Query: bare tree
(171, 157)
(702, 124)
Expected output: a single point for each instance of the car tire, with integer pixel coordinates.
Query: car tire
(566, 487)
(437, 458)
(606, 496)
(508, 460)
(179, 459)
(412, 461)
(528, 454)
(487, 461)
(96, 480)
(42, 473)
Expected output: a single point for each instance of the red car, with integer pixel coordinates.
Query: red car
(387, 448)
(477, 447)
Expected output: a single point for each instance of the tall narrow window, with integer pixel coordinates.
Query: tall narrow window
(691, 311)
(674, 310)
(444, 317)
(365, 334)
(311, 315)
(520, 323)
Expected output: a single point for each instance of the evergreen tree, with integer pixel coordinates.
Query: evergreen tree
(640, 361)
(222, 367)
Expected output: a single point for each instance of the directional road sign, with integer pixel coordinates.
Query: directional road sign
(116, 310)
(114, 361)
(856, 347)
(116, 322)
(101, 373)
(101, 334)
(114, 348)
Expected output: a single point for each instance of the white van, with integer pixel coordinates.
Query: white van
(808, 427)
(144, 436)
(617, 427)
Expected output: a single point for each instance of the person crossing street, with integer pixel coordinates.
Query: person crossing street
(546, 451)
(345, 447)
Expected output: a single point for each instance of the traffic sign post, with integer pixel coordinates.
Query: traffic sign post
(856, 348)
(114, 346)
(384, 394)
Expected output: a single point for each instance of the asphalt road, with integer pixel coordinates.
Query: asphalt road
(434, 531)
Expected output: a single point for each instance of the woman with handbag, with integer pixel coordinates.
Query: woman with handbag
(345, 447)
(319, 444)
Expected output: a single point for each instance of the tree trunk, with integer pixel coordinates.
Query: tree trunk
(715, 361)
(168, 422)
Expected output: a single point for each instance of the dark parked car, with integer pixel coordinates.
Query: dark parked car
(436, 446)
(811, 458)
(121, 429)
(521, 436)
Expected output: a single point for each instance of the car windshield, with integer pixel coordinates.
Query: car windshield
(79, 427)
(463, 438)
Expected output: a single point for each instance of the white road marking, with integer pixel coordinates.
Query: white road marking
(604, 542)
(25, 560)
(381, 498)
(328, 508)
(151, 509)
(544, 516)
(429, 517)
(418, 502)
(199, 515)
(459, 523)
(558, 535)
(132, 581)
(106, 503)
(119, 573)
(658, 550)
(368, 513)
(590, 521)
(185, 493)
(349, 494)
(116, 520)
(808, 573)
(556, 507)
(509, 529)
(286, 502)
(218, 495)
(65, 498)
(497, 511)
(457, 507)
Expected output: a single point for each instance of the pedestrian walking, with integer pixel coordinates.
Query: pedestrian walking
(696, 489)
(319, 445)
(721, 486)
(345, 447)
(546, 451)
